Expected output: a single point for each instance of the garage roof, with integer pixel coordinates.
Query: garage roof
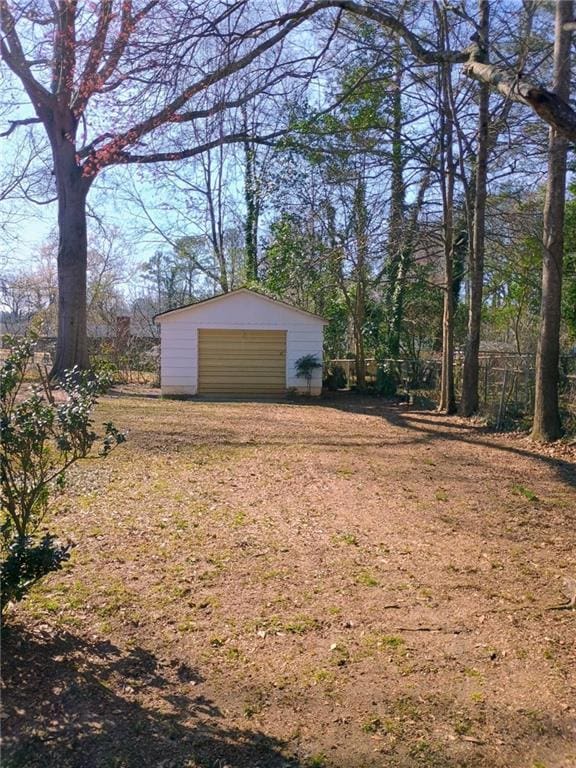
(223, 296)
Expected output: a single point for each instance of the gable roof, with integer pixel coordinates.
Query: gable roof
(224, 296)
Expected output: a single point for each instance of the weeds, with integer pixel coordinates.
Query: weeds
(520, 490)
(366, 579)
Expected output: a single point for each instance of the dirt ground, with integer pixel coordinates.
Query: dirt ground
(342, 583)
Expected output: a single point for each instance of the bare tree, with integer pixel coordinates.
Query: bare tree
(469, 400)
(553, 107)
(550, 106)
(30, 296)
(547, 425)
(171, 66)
(447, 182)
(156, 61)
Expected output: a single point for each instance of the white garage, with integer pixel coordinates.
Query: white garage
(238, 344)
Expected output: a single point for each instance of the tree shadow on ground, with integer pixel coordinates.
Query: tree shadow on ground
(424, 427)
(430, 426)
(117, 392)
(73, 703)
(149, 393)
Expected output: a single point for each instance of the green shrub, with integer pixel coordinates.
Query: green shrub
(106, 370)
(385, 384)
(336, 379)
(41, 437)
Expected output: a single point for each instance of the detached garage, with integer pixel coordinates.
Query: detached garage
(238, 344)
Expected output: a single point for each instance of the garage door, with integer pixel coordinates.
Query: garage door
(241, 362)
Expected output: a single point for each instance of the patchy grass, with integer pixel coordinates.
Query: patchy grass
(367, 579)
(339, 584)
(346, 538)
(521, 490)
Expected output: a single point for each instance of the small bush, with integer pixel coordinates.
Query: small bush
(336, 379)
(385, 384)
(105, 370)
(41, 438)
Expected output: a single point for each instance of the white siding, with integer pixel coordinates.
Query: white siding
(242, 310)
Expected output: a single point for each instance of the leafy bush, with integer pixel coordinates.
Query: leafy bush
(336, 378)
(385, 384)
(106, 370)
(41, 438)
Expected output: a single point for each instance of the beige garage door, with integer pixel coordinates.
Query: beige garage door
(241, 362)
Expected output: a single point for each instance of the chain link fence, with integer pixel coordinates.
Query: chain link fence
(506, 384)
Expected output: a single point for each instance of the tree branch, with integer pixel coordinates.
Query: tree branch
(167, 114)
(13, 54)
(64, 50)
(88, 80)
(221, 106)
(125, 158)
(394, 24)
(127, 26)
(546, 104)
(183, 117)
(17, 123)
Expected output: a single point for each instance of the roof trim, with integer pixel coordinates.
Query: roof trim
(186, 307)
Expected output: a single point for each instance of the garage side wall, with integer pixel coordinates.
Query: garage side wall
(178, 356)
(303, 340)
(179, 334)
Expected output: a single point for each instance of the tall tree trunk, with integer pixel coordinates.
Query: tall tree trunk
(447, 402)
(396, 309)
(358, 320)
(361, 232)
(72, 347)
(547, 425)
(72, 190)
(469, 401)
(252, 206)
(250, 224)
(396, 250)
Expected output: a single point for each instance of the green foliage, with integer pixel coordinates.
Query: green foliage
(366, 579)
(335, 333)
(305, 367)
(521, 490)
(336, 378)
(326, 253)
(41, 437)
(513, 270)
(296, 265)
(365, 92)
(284, 256)
(385, 384)
(422, 315)
(374, 328)
(569, 284)
(299, 269)
(105, 370)
(318, 760)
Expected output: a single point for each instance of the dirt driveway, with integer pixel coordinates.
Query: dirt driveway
(340, 584)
